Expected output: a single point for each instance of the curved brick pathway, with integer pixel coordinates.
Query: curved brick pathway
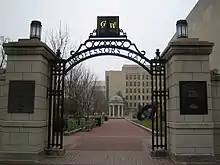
(117, 142)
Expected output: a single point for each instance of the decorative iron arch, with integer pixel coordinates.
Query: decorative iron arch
(96, 46)
(120, 46)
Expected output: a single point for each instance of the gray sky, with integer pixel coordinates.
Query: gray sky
(148, 23)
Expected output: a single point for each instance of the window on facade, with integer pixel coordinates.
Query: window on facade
(135, 90)
(146, 83)
(135, 83)
(126, 97)
(130, 83)
(139, 90)
(126, 83)
(126, 76)
(143, 76)
(134, 76)
(135, 97)
(143, 97)
(147, 90)
(130, 104)
(143, 90)
(139, 97)
(130, 97)
(126, 90)
(139, 77)
(146, 76)
(143, 84)
(130, 90)
(147, 97)
(135, 104)
(139, 84)
(130, 76)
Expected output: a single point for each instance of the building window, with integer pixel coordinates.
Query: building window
(126, 83)
(135, 105)
(143, 76)
(139, 90)
(126, 90)
(146, 83)
(143, 97)
(130, 83)
(147, 97)
(139, 97)
(143, 84)
(135, 90)
(130, 90)
(139, 84)
(130, 97)
(139, 77)
(146, 76)
(135, 83)
(130, 76)
(143, 90)
(126, 76)
(147, 90)
(130, 104)
(135, 77)
(135, 97)
(126, 97)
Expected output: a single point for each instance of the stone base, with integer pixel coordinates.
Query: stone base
(20, 158)
(159, 153)
(193, 159)
(54, 152)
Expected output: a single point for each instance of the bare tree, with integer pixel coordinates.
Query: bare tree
(3, 56)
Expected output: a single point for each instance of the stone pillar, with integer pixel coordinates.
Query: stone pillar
(118, 110)
(24, 135)
(122, 110)
(109, 110)
(190, 137)
(113, 110)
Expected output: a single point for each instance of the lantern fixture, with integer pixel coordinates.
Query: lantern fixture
(35, 30)
(182, 29)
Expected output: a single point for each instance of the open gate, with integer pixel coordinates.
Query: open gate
(107, 39)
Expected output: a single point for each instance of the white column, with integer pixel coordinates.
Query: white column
(118, 110)
(122, 110)
(109, 110)
(113, 110)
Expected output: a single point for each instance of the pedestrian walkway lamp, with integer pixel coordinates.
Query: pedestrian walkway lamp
(182, 29)
(35, 30)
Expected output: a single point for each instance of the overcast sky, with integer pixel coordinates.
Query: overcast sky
(149, 23)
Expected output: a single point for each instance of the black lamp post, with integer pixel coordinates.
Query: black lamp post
(182, 29)
(35, 30)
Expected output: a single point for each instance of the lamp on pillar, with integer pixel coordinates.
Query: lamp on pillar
(35, 30)
(182, 29)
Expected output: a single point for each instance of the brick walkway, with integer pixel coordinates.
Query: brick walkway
(117, 142)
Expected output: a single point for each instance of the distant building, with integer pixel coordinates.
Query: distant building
(134, 84)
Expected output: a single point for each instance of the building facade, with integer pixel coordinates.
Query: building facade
(204, 23)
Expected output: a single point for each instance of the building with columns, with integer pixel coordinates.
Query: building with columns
(116, 106)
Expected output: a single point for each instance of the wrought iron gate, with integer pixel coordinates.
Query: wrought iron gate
(119, 46)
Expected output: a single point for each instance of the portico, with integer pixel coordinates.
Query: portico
(116, 106)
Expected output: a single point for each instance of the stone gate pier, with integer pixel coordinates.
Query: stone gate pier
(24, 126)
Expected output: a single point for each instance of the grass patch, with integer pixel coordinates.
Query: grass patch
(148, 124)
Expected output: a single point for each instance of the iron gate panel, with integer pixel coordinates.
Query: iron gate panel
(56, 104)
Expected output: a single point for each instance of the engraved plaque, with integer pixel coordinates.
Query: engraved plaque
(193, 98)
(21, 96)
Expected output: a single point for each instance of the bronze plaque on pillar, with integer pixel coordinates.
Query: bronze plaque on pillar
(193, 97)
(21, 96)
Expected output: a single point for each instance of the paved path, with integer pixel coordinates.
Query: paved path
(117, 142)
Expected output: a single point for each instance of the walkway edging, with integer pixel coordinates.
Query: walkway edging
(139, 125)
